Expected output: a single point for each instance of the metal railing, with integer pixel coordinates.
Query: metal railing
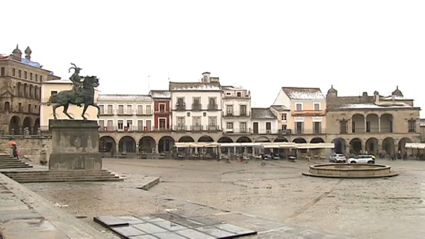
(212, 107)
(197, 107)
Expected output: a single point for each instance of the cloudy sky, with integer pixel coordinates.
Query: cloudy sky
(362, 45)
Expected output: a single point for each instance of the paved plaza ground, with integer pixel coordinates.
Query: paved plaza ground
(363, 208)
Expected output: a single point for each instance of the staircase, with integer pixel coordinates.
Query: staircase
(62, 176)
(7, 161)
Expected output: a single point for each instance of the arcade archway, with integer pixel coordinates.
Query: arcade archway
(372, 146)
(243, 139)
(107, 144)
(206, 139)
(356, 145)
(147, 144)
(279, 140)
(186, 139)
(262, 139)
(299, 141)
(339, 145)
(127, 144)
(165, 144)
(388, 146)
(402, 144)
(316, 140)
(225, 140)
(36, 126)
(27, 125)
(14, 125)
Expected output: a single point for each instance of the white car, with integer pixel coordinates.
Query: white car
(369, 159)
(337, 158)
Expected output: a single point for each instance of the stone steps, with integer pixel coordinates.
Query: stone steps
(7, 161)
(62, 176)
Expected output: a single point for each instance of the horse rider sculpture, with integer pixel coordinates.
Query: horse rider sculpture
(78, 86)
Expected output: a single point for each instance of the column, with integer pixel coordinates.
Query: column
(365, 123)
(379, 124)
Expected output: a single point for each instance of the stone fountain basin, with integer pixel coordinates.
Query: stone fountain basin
(335, 170)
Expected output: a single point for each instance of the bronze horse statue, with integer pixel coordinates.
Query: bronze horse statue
(76, 96)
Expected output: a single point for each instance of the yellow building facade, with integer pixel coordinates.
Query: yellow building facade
(301, 114)
(46, 112)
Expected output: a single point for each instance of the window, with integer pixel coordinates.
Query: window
(284, 127)
(196, 120)
(129, 109)
(19, 73)
(2, 71)
(317, 127)
(242, 109)
(298, 106)
(229, 125)
(41, 78)
(180, 121)
(239, 94)
(7, 106)
(129, 124)
(368, 126)
(268, 126)
(299, 127)
(110, 124)
(212, 120)
(13, 72)
(101, 125)
(316, 106)
(53, 92)
(101, 109)
(188, 114)
(204, 114)
(180, 103)
(120, 125)
(121, 109)
(148, 125)
(343, 126)
(242, 126)
(25, 75)
(30, 76)
(212, 103)
(140, 109)
(228, 93)
(161, 107)
(353, 126)
(36, 77)
(229, 109)
(140, 125)
(284, 117)
(29, 108)
(412, 125)
(20, 107)
(148, 109)
(110, 112)
(162, 124)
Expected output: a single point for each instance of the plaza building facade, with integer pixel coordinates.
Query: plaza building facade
(20, 93)
(301, 115)
(373, 124)
(51, 87)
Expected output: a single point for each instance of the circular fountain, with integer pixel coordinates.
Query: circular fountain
(350, 171)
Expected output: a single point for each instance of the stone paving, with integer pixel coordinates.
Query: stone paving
(275, 200)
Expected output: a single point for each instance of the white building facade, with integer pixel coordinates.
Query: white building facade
(126, 112)
(196, 106)
(236, 107)
(264, 121)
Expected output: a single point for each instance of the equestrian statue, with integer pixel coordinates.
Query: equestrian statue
(82, 93)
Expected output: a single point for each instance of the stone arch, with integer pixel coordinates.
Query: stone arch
(356, 145)
(15, 125)
(262, 139)
(27, 124)
(127, 144)
(225, 140)
(402, 144)
(371, 146)
(279, 140)
(165, 144)
(6, 106)
(299, 140)
(36, 126)
(387, 123)
(186, 139)
(107, 144)
(357, 123)
(243, 139)
(147, 144)
(372, 123)
(388, 146)
(31, 95)
(317, 140)
(206, 139)
(340, 145)
(26, 90)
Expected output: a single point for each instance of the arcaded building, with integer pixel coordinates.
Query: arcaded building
(20, 92)
(371, 123)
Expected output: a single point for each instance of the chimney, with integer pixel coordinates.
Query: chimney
(376, 95)
(206, 76)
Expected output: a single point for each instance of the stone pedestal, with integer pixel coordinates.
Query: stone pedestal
(75, 145)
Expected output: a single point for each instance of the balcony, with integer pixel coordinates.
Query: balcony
(237, 131)
(212, 107)
(306, 131)
(197, 128)
(232, 115)
(106, 113)
(131, 129)
(196, 107)
(163, 111)
(308, 112)
(181, 128)
(147, 113)
(180, 106)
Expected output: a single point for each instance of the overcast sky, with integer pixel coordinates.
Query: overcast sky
(362, 45)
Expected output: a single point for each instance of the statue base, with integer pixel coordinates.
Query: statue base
(75, 145)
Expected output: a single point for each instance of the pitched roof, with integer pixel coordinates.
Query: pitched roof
(194, 86)
(303, 93)
(262, 113)
(160, 94)
(280, 107)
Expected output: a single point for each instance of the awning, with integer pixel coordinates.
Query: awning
(415, 146)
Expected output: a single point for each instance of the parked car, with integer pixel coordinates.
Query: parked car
(337, 158)
(369, 159)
